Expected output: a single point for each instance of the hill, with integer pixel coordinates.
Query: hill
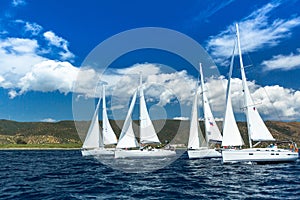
(174, 131)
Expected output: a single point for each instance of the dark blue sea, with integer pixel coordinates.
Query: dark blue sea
(65, 174)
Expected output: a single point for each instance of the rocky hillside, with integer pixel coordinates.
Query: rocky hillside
(173, 131)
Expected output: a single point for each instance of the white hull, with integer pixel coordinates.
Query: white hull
(98, 152)
(120, 153)
(259, 155)
(203, 153)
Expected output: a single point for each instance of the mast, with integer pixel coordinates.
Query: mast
(257, 129)
(103, 110)
(141, 93)
(108, 135)
(93, 137)
(212, 132)
(203, 102)
(231, 133)
(196, 138)
(147, 131)
(244, 81)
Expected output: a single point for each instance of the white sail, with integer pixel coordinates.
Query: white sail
(92, 139)
(147, 131)
(196, 139)
(257, 129)
(231, 133)
(211, 129)
(109, 137)
(127, 137)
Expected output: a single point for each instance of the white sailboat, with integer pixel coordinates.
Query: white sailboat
(95, 142)
(257, 130)
(128, 147)
(198, 146)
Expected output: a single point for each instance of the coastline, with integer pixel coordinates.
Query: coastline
(37, 148)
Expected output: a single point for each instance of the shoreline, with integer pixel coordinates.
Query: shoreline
(37, 148)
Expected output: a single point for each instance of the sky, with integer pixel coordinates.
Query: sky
(44, 46)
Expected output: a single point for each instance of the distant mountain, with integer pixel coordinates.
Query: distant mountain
(174, 131)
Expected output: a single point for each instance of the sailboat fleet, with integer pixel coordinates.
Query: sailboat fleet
(199, 145)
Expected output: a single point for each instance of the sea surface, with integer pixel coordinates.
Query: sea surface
(65, 174)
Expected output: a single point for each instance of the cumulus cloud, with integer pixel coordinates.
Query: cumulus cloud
(18, 56)
(49, 120)
(33, 28)
(256, 32)
(163, 87)
(59, 42)
(283, 62)
(26, 65)
(49, 76)
(273, 102)
(160, 83)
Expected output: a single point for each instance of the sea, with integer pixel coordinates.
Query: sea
(65, 174)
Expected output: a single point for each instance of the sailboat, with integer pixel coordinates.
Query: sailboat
(198, 146)
(257, 130)
(95, 142)
(128, 146)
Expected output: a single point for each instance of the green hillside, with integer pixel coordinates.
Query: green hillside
(64, 134)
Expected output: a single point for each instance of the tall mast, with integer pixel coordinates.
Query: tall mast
(103, 110)
(244, 81)
(141, 93)
(203, 99)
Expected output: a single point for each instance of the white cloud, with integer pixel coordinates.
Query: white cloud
(181, 118)
(284, 62)
(26, 66)
(16, 3)
(18, 45)
(34, 28)
(60, 43)
(273, 102)
(48, 120)
(256, 32)
(49, 76)
(161, 88)
(18, 56)
(212, 8)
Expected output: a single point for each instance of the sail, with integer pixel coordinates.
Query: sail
(257, 129)
(147, 131)
(109, 136)
(231, 133)
(196, 139)
(127, 137)
(92, 139)
(211, 129)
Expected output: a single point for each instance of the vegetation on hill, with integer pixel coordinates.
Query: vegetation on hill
(64, 133)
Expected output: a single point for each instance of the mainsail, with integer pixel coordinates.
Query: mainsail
(257, 129)
(109, 136)
(212, 131)
(93, 138)
(231, 133)
(127, 137)
(196, 139)
(147, 131)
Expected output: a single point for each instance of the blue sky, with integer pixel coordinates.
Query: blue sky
(43, 44)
